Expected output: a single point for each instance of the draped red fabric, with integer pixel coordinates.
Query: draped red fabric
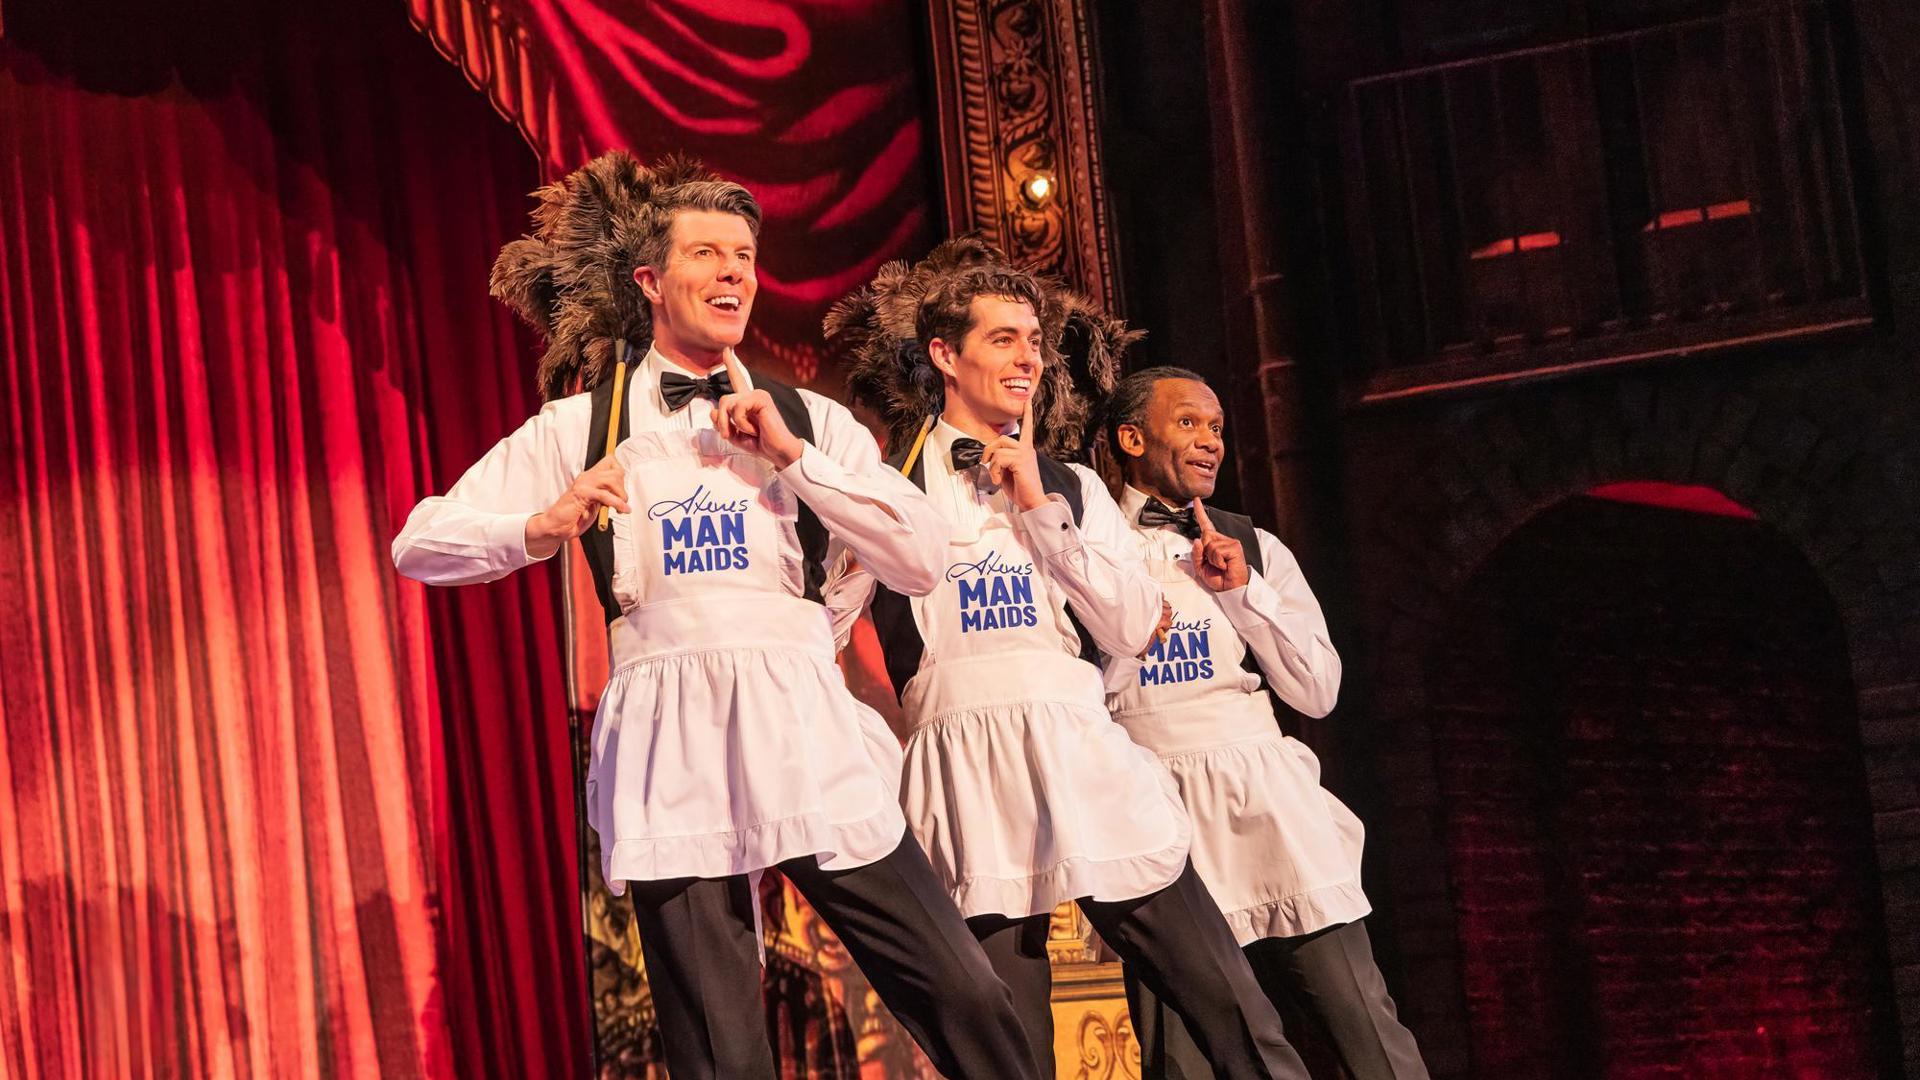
(816, 107)
(243, 328)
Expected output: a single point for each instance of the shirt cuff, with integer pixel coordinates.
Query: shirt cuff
(1248, 606)
(1050, 527)
(507, 542)
(813, 470)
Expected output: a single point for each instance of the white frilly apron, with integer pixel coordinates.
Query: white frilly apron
(1018, 785)
(726, 740)
(1279, 853)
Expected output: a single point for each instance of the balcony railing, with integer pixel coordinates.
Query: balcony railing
(1623, 196)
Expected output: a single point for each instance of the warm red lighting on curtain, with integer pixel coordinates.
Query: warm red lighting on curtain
(242, 328)
(817, 108)
(1696, 215)
(1513, 245)
(266, 809)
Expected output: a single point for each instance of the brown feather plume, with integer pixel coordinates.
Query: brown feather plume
(871, 331)
(571, 279)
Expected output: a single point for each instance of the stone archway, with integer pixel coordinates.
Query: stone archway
(1807, 462)
(1653, 808)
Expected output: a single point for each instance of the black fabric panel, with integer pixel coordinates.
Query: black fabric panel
(813, 534)
(597, 543)
(1240, 527)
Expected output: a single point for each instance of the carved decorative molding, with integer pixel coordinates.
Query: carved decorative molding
(1019, 142)
(1070, 937)
(1093, 1035)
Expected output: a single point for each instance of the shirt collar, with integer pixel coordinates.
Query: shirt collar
(1131, 500)
(657, 364)
(943, 435)
(940, 441)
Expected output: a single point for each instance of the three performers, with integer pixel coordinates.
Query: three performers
(1081, 725)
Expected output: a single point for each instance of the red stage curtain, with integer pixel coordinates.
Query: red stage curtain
(818, 108)
(815, 107)
(243, 327)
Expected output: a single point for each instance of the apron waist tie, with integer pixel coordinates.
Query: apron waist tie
(1198, 723)
(1015, 677)
(719, 620)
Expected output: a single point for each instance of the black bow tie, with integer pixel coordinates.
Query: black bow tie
(678, 389)
(1156, 513)
(966, 453)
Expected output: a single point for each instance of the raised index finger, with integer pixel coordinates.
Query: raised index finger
(1200, 517)
(1026, 425)
(736, 374)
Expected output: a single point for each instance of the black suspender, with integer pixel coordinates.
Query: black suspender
(598, 543)
(1240, 527)
(892, 613)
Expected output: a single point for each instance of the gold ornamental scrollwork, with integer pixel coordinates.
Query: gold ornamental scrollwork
(1019, 144)
(1093, 1034)
(1108, 1050)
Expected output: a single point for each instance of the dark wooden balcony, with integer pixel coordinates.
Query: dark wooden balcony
(1599, 201)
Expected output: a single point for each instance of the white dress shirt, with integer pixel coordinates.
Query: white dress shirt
(477, 530)
(1091, 563)
(1275, 613)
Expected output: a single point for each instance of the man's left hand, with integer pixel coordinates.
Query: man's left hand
(751, 421)
(1218, 559)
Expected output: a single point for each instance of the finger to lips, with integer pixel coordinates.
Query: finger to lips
(1026, 423)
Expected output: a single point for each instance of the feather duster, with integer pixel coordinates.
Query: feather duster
(571, 279)
(871, 331)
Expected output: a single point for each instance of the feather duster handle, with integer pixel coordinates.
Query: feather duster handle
(919, 442)
(614, 407)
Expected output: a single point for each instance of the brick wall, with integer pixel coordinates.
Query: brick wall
(1819, 443)
(1654, 807)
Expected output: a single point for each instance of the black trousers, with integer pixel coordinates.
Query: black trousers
(900, 926)
(1178, 942)
(1331, 975)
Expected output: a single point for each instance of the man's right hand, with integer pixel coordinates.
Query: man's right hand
(1013, 464)
(573, 513)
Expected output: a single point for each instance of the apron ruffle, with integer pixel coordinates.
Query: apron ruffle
(1279, 853)
(1025, 794)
